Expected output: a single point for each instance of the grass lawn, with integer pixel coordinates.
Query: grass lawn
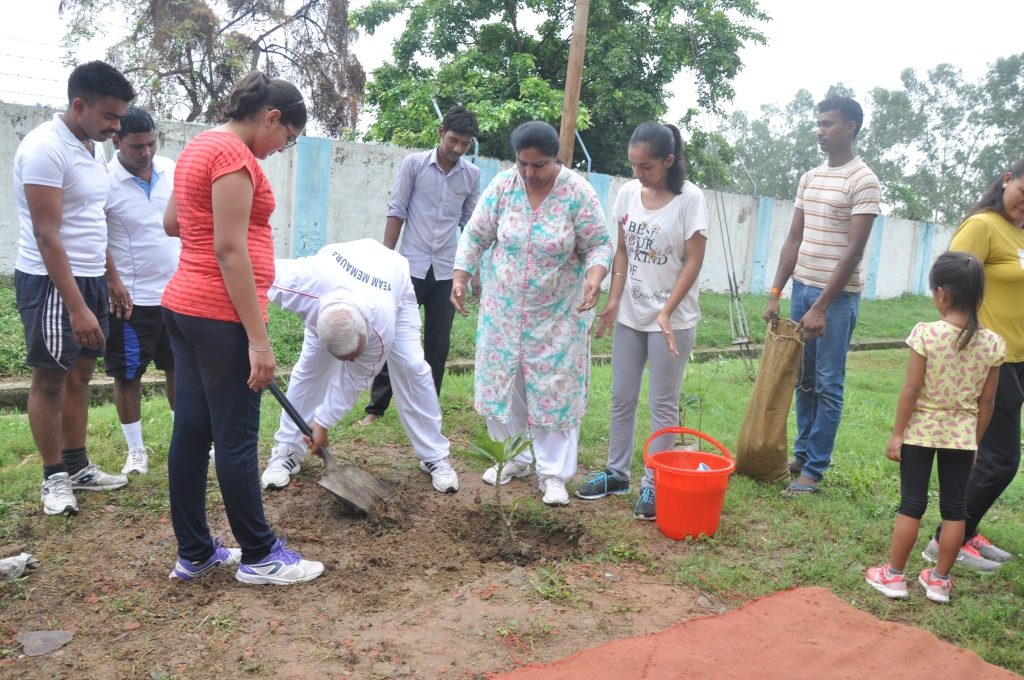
(879, 319)
(764, 543)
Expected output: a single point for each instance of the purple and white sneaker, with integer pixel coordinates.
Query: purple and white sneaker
(222, 557)
(281, 567)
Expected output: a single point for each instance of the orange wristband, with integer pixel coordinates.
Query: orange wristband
(777, 292)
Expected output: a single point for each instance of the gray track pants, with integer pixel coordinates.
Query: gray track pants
(631, 350)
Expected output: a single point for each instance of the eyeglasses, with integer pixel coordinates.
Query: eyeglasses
(292, 139)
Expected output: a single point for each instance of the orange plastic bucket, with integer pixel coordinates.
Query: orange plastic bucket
(687, 501)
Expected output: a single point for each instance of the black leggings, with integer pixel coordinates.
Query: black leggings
(916, 471)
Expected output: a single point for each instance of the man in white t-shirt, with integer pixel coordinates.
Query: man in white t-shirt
(145, 258)
(836, 205)
(60, 189)
(367, 285)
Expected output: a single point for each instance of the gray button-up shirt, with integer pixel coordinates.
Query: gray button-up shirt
(433, 205)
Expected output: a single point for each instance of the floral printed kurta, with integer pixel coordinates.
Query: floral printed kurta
(528, 319)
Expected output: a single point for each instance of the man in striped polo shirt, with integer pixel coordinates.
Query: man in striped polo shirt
(836, 204)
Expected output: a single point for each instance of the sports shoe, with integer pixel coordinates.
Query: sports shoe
(600, 484)
(511, 470)
(644, 508)
(137, 460)
(936, 590)
(58, 499)
(554, 491)
(890, 585)
(989, 551)
(969, 557)
(281, 567)
(442, 475)
(284, 462)
(185, 570)
(91, 478)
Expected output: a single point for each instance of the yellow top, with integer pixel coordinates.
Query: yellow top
(1000, 247)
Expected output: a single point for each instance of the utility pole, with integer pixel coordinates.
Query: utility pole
(573, 77)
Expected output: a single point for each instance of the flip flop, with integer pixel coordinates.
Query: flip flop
(795, 488)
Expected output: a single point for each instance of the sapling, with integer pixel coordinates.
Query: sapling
(498, 454)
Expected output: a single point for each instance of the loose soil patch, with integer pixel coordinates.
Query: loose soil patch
(427, 591)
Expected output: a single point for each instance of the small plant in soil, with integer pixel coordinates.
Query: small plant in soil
(498, 454)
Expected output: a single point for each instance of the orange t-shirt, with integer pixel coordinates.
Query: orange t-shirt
(197, 288)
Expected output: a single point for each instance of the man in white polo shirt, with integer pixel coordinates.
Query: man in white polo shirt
(60, 189)
(145, 258)
(359, 288)
(836, 205)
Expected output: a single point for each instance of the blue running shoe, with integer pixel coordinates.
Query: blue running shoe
(222, 557)
(281, 567)
(644, 508)
(601, 484)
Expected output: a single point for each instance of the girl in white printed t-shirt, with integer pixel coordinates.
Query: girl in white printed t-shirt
(652, 301)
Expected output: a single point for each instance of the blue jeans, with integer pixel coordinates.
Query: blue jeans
(819, 394)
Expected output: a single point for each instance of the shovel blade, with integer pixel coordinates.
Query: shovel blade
(357, 486)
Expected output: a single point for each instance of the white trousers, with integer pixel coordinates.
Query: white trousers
(418, 407)
(557, 451)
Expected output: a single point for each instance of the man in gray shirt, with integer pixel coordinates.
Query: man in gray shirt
(434, 195)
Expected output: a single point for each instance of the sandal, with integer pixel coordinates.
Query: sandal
(795, 488)
(795, 467)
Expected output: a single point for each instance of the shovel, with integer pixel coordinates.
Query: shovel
(348, 482)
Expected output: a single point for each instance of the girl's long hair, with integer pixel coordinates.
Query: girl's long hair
(962, 277)
(992, 199)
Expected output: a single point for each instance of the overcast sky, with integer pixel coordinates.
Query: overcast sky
(810, 45)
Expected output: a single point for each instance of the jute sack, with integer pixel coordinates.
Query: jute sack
(762, 450)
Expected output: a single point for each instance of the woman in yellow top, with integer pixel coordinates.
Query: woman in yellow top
(993, 231)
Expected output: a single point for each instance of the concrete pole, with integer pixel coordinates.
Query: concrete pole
(573, 76)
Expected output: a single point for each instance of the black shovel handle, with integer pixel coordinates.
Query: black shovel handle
(299, 421)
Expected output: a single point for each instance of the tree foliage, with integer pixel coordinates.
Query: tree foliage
(506, 60)
(935, 143)
(185, 55)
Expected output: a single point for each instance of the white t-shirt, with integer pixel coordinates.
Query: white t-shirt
(52, 156)
(364, 273)
(145, 256)
(655, 245)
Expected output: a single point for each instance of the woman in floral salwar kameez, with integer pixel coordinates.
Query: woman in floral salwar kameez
(550, 251)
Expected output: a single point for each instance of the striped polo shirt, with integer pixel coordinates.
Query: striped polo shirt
(830, 197)
(197, 288)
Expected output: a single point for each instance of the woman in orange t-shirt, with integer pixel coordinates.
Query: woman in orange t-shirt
(215, 308)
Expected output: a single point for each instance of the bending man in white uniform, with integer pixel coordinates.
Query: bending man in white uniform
(360, 310)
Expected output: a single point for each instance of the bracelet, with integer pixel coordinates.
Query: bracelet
(777, 292)
(618, 274)
(269, 349)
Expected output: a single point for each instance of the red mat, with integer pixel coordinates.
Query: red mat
(805, 633)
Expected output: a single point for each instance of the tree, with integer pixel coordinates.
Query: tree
(185, 55)
(935, 143)
(506, 60)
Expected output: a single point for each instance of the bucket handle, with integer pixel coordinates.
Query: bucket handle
(683, 430)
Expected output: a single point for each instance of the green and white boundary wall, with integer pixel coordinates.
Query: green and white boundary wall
(330, 191)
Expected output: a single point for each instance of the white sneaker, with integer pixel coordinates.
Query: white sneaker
(442, 475)
(58, 499)
(91, 478)
(511, 470)
(137, 460)
(554, 491)
(281, 567)
(284, 463)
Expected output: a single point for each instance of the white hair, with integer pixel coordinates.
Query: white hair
(341, 328)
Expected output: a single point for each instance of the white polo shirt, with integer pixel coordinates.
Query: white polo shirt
(52, 156)
(145, 256)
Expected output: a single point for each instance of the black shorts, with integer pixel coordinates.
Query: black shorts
(132, 344)
(49, 339)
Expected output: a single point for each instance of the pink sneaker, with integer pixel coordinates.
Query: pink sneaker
(894, 586)
(936, 590)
